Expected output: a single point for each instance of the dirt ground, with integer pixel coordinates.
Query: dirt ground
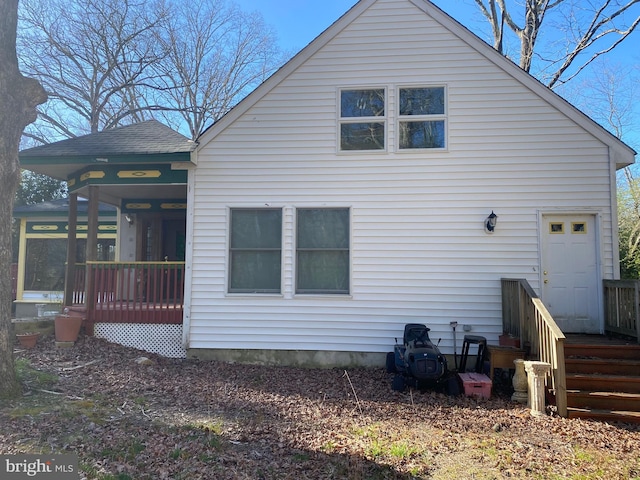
(184, 419)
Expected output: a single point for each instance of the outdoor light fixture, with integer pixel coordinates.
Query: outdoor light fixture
(129, 219)
(490, 222)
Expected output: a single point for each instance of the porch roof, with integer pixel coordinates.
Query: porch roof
(60, 208)
(144, 142)
(135, 146)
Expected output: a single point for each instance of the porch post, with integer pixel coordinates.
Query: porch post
(91, 255)
(92, 224)
(70, 273)
(22, 260)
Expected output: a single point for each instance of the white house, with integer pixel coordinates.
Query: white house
(348, 195)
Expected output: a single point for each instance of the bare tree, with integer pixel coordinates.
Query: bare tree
(216, 54)
(19, 97)
(589, 29)
(93, 58)
(110, 62)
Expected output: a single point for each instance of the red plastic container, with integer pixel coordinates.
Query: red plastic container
(476, 384)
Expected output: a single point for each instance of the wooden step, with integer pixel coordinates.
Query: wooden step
(604, 400)
(620, 352)
(603, 383)
(605, 415)
(602, 366)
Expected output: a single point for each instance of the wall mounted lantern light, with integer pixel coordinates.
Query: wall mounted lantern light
(490, 222)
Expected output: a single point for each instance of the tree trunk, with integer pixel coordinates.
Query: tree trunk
(19, 97)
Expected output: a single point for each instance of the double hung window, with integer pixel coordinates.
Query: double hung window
(255, 250)
(322, 256)
(362, 119)
(420, 113)
(421, 118)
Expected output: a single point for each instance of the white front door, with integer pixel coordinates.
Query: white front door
(570, 275)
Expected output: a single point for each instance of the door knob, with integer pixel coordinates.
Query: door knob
(546, 281)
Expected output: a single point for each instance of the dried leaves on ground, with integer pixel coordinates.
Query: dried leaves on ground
(185, 419)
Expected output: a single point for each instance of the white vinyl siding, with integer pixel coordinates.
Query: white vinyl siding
(419, 252)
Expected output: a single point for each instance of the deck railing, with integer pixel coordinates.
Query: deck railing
(79, 284)
(135, 292)
(622, 307)
(525, 316)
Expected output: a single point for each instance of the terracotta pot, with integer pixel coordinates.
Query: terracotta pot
(67, 328)
(28, 340)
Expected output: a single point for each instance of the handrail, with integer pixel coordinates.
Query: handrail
(524, 315)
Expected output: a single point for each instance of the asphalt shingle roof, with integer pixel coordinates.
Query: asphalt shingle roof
(144, 138)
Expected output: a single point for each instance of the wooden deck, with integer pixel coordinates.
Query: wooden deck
(137, 312)
(130, 292)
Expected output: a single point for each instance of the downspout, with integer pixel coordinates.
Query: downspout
(615, 236)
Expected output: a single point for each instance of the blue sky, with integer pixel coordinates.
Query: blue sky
(298, 22)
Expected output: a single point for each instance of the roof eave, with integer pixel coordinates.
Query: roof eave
(32, 160)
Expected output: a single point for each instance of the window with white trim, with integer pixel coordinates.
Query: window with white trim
(421, 118)
(322, 251)
(255, 250)
(362, 119)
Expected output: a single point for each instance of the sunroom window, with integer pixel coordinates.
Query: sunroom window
(362, 119)
(255, 250)
(421, 118)
(322, 255)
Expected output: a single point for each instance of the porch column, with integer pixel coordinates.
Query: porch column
(70, 269)
(22, 260)
(92, 225)
(91, 256)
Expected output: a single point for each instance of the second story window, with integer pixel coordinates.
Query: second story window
(421, 116)
(362, 119)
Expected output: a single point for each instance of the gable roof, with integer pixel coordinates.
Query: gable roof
(620, 153)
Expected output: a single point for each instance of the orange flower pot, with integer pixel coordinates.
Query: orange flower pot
(28, 340)
(67, 328)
